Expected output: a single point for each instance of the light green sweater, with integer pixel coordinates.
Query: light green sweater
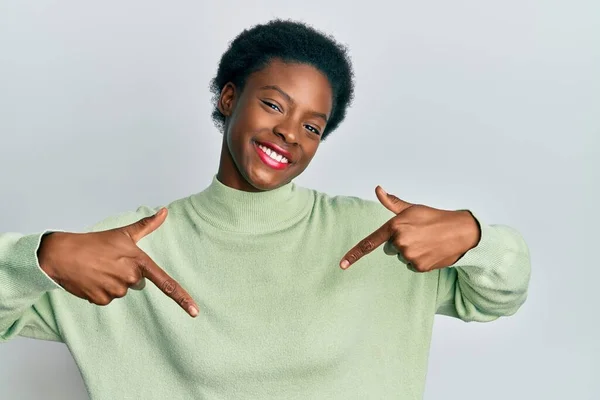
(278, 317)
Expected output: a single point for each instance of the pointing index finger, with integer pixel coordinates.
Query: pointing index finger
(168, 286)
(367, 245)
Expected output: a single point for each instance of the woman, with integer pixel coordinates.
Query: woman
(266, 267)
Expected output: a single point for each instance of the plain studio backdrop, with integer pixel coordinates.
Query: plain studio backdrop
(105, 106)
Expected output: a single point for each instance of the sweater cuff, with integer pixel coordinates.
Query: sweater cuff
(28, 262)
(487, 254)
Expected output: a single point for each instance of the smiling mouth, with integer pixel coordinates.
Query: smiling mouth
(270, 157)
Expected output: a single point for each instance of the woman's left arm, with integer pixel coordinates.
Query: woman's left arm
(484, 270)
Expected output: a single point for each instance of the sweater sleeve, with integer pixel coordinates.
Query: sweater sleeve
(25, 308)
(490, 280)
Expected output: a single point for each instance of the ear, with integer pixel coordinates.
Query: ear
(227, 99)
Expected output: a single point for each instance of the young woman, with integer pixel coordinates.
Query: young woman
(292, 295)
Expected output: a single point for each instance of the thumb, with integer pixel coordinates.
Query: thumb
(390, 201)
(146, 225)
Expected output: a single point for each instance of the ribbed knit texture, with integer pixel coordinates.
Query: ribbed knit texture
(278, 318)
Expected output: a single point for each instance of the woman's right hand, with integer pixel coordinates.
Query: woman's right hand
(102, 266)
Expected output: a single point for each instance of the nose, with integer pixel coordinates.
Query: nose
(287, 130)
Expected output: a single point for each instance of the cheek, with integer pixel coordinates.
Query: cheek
(242, 127)
(247, 121)
(235, 128)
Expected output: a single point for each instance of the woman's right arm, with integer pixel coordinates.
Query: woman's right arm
(96, 266)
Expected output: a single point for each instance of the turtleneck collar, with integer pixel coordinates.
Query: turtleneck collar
(252, 212)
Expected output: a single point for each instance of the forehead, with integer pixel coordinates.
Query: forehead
(302, 82)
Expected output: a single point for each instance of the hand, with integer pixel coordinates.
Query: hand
(102, 266)
(427, 238)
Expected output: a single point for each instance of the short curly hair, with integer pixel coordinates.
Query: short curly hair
(289, 41)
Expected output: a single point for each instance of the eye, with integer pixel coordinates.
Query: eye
(313, 129)
(273, 106)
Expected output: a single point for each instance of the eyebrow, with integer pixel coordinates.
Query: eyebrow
(288, 98)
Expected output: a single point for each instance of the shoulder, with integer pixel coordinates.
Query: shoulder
(177, 210)
(352, 211)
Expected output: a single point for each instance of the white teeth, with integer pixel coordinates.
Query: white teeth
(274, 155)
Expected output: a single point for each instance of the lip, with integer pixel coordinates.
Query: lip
(278, 149)
(268, 160)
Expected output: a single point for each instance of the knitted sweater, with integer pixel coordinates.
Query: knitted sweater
(278, 318)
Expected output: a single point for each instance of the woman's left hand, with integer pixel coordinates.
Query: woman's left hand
(427, 238)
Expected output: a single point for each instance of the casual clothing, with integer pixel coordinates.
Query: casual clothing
(278, 317)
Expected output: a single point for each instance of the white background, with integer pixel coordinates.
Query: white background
(492, 106)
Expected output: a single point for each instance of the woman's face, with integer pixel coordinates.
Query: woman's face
(282, 110)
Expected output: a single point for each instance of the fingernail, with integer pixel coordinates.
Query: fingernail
(193, 311)
(345, 264)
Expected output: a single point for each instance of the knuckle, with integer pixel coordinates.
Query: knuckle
(119, 292)
(132, 279)
(102, 300)
(419, 267)
(403, 243)
(366, 245)
(399, 244)
(396, 225)
(409, 254)
(168, 286)
(141, 262)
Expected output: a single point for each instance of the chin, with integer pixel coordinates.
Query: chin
(263, 180)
